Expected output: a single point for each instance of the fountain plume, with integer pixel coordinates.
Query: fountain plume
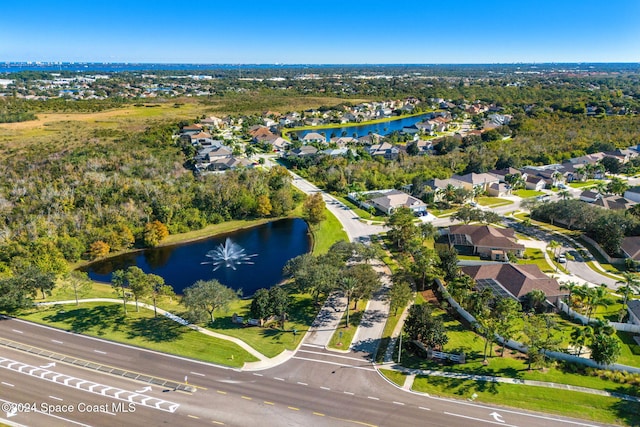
(229, 255)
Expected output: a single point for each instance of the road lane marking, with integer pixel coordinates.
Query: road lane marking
(197, 373)
(373, 398)
(57, 341)
(278, 379)
(258, 375)
(247, 397)
(348, 392)
(293, 408)
(193, 416)
(325, 388)
(221, 392)
(17, 331)
(398, 403)
(268, 403)
(422, 407)
(334, 363)
(88, 386)
(301, 383)
(8, 384)
(55, 398)
(318, 414)
(217, 422)
(479, 419)
(101, 352)
(333, 355)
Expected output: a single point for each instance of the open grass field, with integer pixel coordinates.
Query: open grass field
(106, 321)
(62, 131)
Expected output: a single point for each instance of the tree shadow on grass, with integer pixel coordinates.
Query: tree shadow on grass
(628, 412)
(156, 329)
(97, 319)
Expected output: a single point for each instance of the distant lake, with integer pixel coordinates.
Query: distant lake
(273, 244)
(383, 128)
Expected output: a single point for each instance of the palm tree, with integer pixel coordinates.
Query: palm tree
(631, 286)
(601, 187)
(571, 287)
(536, 299)
(596, 297)
(579, 337)
(565, 195)
(554, 245)
(348, 286)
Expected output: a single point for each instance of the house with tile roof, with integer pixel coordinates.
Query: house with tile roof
(391, 200)
(484, 240)
(633, 307)
(516, 281)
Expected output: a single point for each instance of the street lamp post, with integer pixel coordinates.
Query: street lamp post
(400, 347)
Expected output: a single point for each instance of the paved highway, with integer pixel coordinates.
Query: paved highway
(315, 387)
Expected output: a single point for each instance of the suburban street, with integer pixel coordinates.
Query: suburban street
(315, 387)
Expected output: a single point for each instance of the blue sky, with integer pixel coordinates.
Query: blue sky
(329, 31)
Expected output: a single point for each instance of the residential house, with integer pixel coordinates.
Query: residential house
(633, 194)
(258, 132)
(424, 147)
(478, 182)
(394, 199)
(278, 143)
(227, 163)
(516, 281)
(535, 183)
(370, 139)
(313, 121)
(212, 121)
(305, 150)
(411, 130)
(334, 152)
(499, 190)
(622, 155)
(486, 241)
(342, 141)
(613, 202)
(589, 159)
(633, 307)
(590, 196)
(191, 129)
(201, 138)
(384, 149)
(313, 137)
(631, 247)
(501, 174)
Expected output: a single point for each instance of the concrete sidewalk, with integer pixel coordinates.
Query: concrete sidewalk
(327, 321)
(411, 374)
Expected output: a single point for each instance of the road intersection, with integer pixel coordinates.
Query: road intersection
(314, 386)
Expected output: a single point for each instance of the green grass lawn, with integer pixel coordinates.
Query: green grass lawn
(106, 320)
(583, 185)
(527, 193)
(361, 212)
(493, 202)
(398, 378)
(536, 256)
(389, 326)
(342, 337)
(562, 402)
(327, 233)
(270, 340)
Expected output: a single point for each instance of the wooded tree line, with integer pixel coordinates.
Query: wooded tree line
(607, 227)
(102, 197)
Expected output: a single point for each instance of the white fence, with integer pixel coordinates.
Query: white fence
(552, 354)
(625, 327)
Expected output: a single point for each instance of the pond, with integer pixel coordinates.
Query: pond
(249, 260)
(357, 131)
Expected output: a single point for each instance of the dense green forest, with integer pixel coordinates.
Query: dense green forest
(55, 207)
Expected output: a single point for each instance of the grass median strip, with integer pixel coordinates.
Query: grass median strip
(561, 402)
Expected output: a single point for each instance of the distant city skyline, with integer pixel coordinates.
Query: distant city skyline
(321, 32)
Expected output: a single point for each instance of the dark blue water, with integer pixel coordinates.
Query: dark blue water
(384, 128)
(274, 243)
